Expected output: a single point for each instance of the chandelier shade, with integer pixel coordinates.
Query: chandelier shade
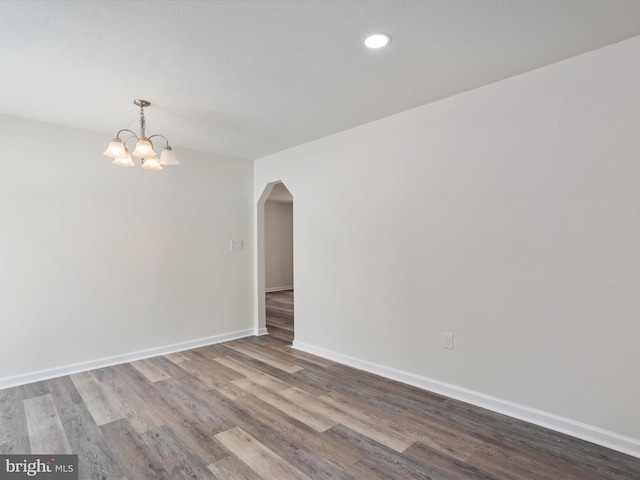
(168, 157)
(115, 149)
(151, 164)
(125, 161)
(143, 150)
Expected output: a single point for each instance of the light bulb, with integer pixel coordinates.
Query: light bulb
(377, 40)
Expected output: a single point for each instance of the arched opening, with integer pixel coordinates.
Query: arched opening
(275, 262)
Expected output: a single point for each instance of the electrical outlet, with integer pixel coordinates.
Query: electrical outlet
(447, 340)
(236, 245)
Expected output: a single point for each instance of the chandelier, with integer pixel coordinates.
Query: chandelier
(118, 150)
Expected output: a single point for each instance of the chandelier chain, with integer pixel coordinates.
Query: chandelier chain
(142, 122)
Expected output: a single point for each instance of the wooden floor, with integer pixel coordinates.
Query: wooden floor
(256, 409)
(279, 307)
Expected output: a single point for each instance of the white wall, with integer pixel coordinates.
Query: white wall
(508, 215)
(278, 228)
(99, 261)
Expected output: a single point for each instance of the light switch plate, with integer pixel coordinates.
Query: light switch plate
(447, 340)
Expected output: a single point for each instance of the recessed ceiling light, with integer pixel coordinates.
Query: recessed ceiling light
(377, 40)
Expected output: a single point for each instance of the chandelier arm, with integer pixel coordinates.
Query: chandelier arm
(157, 135)
(124, 142)
(126, 130)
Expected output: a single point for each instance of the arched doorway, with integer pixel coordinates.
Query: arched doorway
(275, 262)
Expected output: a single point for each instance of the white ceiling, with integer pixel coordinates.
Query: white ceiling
(248, 78)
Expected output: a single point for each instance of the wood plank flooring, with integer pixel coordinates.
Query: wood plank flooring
(279, 307)
(256, 409)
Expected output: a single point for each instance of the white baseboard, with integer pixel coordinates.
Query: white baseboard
(590, 433)
(278, 289)
(261, 331)
(22, 379)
